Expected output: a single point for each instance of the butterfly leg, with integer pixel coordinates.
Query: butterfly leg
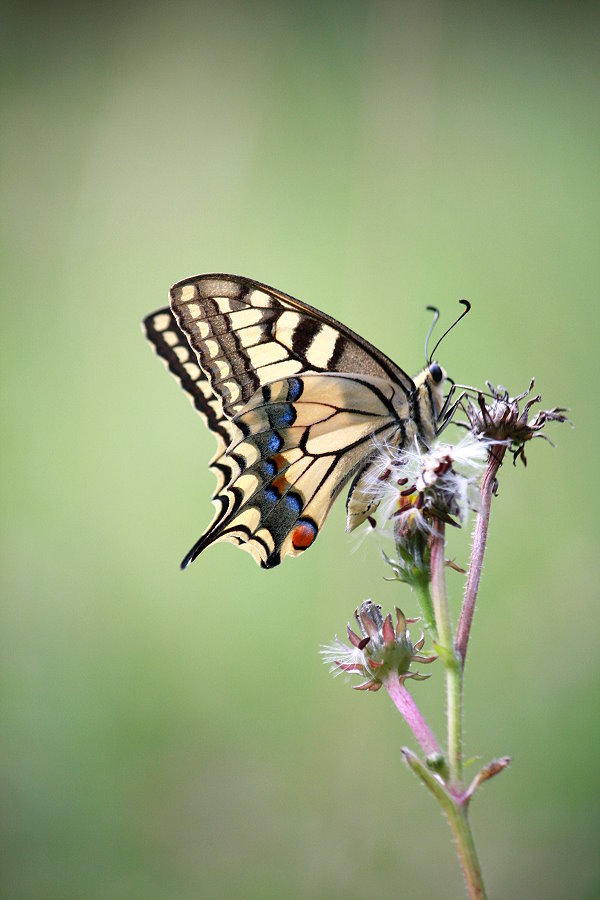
(447, 411)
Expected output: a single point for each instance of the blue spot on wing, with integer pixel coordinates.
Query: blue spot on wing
(269, 468)
(295, 387)
(288, 414)
(275, 442)
(293, 502)
(281, 415)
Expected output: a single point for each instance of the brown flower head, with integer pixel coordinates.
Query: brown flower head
(502, 421)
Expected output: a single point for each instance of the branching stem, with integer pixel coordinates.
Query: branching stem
(456, 812)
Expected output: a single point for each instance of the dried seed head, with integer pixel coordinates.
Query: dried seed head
(418, 484)
(503, 422)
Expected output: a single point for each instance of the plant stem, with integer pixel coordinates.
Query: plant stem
(479, 543)
(412, 715)
(467, 853)
(447, 655)
(456, 813)
(421, 586)
(438, 584)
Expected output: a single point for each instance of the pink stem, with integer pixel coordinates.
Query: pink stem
(479, 542)
(407, 707)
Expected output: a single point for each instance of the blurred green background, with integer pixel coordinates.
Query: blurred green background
(176, 735)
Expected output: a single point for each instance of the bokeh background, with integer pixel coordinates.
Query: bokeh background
(176, 735)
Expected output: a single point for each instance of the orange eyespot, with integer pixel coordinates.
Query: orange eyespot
(304, 534)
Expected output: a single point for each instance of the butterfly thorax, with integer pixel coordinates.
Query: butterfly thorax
(427, 402)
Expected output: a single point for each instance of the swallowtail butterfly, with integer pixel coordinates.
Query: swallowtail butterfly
(298, 403)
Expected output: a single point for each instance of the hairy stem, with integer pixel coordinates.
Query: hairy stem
(479, 543)
(456, 813)
(412, 715)
(467, 853)
(447, 655)
(421, 586)
(438, 584)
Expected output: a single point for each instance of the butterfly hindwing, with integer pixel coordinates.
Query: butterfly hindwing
(298, 441)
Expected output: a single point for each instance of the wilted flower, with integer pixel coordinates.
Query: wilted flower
(381, 651)
(501, 420)
(421, 484)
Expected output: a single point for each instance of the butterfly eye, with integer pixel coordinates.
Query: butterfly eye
(436, 373)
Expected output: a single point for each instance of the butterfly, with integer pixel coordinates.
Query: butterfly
(298, 403)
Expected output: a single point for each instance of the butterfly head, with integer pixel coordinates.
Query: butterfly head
(428, 400)
(432, 375)
(436, 373)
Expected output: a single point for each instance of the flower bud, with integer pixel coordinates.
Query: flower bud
(383, 648)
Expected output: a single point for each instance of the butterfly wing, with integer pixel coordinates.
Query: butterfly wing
(171, 345)
(297, 396)
(246, 334)
(297, 442)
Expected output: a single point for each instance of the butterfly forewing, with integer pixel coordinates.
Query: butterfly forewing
(247, 334)
(299, 404)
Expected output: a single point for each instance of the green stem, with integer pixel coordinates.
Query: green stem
(454, 712)
(447, 655)
(421, 586)
(457, 815)
(467, 853)
(438, 584)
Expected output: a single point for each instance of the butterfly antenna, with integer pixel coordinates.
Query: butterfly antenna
(436, 315)
(467, 306)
